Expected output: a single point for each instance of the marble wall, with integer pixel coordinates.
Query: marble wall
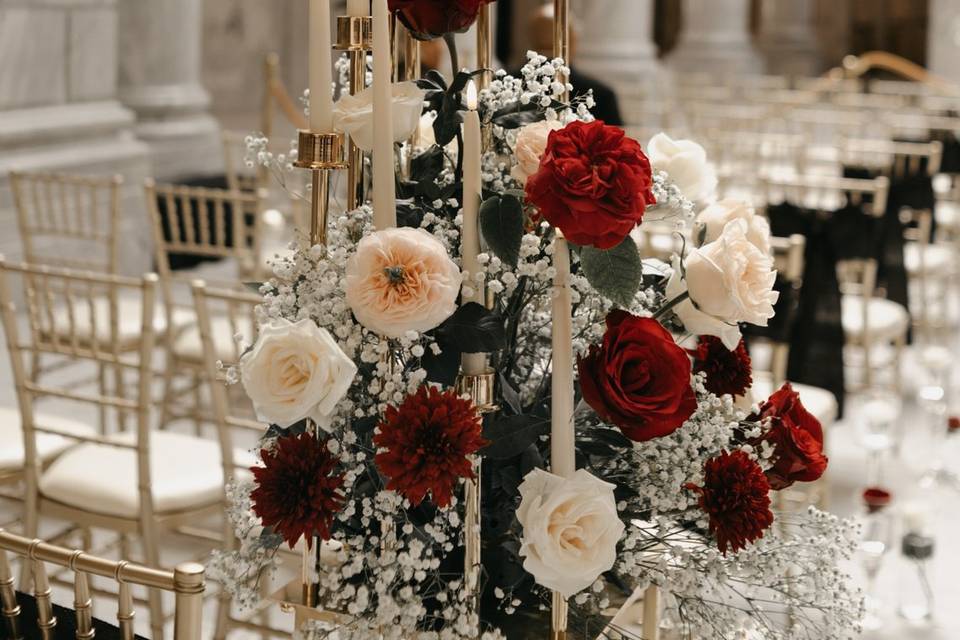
(59, 110)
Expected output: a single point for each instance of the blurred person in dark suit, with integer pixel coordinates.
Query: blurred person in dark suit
(540, 28)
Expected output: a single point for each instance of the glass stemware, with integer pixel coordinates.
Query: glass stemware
(874, 545)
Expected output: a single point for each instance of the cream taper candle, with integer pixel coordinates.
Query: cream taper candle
(321, 73)
(472, 363)
(384, 189)
(358, 8)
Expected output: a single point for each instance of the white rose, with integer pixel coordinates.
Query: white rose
(685, 162)
(401, 280)
(729, 280)
(531, 143)
(295, 370)
(353, 114)
(716, 216)
(570, 529)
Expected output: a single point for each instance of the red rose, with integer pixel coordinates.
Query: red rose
(428, 19)
(594, 184)
(638, 378)
(797, 438)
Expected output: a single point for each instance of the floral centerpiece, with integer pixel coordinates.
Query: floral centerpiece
(370, 443)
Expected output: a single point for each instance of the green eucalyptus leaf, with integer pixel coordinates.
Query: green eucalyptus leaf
(501, 223)
(615, 273)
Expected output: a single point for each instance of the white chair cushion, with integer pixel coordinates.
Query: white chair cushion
(187, 345)
(947, 214)
(822, 404)
(887, 320)
(48, 444)
(128, 321)
(937, 259)
(185, 473)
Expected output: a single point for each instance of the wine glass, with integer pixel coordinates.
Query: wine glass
(879, 417)
(874, 545)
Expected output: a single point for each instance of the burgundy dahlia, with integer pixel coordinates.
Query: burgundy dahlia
(298, 488)
(424, 444)
(728, 372)
(736, 496)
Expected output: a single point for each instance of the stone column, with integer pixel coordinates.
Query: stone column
(160, 62)
(943, 39)
(614, 42)
(716, 38)
(787, 38)
(59, 112)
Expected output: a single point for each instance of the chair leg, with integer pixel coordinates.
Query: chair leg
(120, 393)
(102, 387)
(898, 346)
(151, 554)
(198, 380)
(223, 599)
(867, 366)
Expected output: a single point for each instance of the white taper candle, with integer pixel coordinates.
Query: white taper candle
(384, 190)
(321, 73)
(472, 363)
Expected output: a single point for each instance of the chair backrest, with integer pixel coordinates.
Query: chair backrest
(222, 315)
(68, 221)
(896, 160)
(66, 318)
(789, 260)
(185, 582)
(239, 176)
(825, 194)
(196, 221)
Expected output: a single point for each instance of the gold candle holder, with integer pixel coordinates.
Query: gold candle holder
(480, 388)
(355, 37)
(484, 46)
(321, 153)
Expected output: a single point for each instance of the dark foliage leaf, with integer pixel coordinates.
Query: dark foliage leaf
(615, 273)
(474, 329)
(461, 79)
(510, 395)
(275, 431)
(530, 459)
(427, 165)
(516, 114)
(443, 368)
(509, 436)
(612, 437)
(364, 426)
(447, 125)
(432, 80)
(501, 223)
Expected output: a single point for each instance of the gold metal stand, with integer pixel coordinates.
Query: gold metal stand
(484, 46)
(480, 388)
(321, 153)
(355, 36)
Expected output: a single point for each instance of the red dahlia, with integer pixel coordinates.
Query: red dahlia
(594, 184)
(425, 443)
(736, 496)
(728, 372)
(298, 489)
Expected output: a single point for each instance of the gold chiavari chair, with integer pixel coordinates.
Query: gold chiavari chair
(185, 582)
(133, 482)
(210, 223)
(929, 265)
(869, 322)
(221, 315)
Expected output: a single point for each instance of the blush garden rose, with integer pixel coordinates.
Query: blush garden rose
(594, 184)
(295, 370)
(531, 143)
(401, 280)
(570, 529)
(638, 378)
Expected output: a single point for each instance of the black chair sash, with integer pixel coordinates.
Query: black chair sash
(66, 628)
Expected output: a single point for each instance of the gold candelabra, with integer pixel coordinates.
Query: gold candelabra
(355, 37)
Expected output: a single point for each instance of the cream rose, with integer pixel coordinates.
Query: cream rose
(570, 529)
(353, 114)
(401, 280)
(295, 370)
(728, 280)
(531, 143)
(685, 162)
(716, 216)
